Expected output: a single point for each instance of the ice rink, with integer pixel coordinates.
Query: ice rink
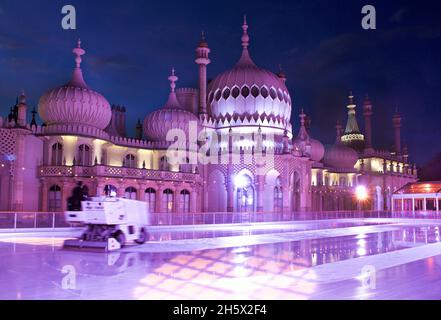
(333, 259)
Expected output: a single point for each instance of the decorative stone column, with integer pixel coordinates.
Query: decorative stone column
(44, 195)
(260, 186)
(177, 199)
(159, 192)
(121, 190)
(194, 199)
(230, 188)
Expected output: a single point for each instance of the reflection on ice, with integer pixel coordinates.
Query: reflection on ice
(32, 267)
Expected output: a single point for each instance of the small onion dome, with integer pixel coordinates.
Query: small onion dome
(247, 89)
(75, 103)
(306, 145)
(340, 156)
(171, 116)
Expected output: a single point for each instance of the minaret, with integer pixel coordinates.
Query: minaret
(352, 136)
(138, 130)
(202, 60)
(367, 113)
(396, 121)
(21, 110)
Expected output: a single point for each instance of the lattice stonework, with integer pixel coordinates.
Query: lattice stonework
(7, 142)
(7, 148)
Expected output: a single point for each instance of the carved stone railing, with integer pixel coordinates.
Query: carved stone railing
(116, 172)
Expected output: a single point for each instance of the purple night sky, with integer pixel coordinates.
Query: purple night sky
(131, 46)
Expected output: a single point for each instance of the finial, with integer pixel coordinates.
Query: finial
(22, 97)
(78, 52)
(202, 41)
(245, 37)
(351, 98)
(302, 118)
(173, 80)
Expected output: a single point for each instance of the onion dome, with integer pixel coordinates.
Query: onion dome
(307, 146)
(170, 116)
(249, 92)
(75, 104)
(339, 156)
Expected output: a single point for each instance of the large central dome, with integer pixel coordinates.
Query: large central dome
(247, 92)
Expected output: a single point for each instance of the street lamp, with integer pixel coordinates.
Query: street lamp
(361, 193)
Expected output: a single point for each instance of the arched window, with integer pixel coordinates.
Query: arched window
(130, 161)
(235, 92)
(130, 193)
(57, 154)
(54, 198)
(255, 91)
(110, 190)
(226, 93)
(167, 201)
(245, 91)
(278, 196)
(84, 156)
(319, 178)
(185, 201)
(150, 198)
(342, 182)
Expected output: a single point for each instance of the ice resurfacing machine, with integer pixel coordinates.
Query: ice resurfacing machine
(110, 223)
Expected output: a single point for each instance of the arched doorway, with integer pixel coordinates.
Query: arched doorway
(185, 201)
(110, 190)
(245, 193)
(130, 193)
(84, 155)
(278, 196)
(57, 154)
(54, 199)
(130, 161)
(150, 198)
(167, 201)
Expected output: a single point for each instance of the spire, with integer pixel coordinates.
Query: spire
(367, 113)
(281, 74)
(245, 36)
(396, 122)
(352, 136)
(202, 42)
(22, 97)
(303, 133)
(352, 125)
(77, 76)
(245, 59)
(172, 101)
(202, 60)
(34, 121)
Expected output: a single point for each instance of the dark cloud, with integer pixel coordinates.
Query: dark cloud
(119, 61)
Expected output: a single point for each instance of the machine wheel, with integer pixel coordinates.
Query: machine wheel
(143, 236)
(121, 238)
